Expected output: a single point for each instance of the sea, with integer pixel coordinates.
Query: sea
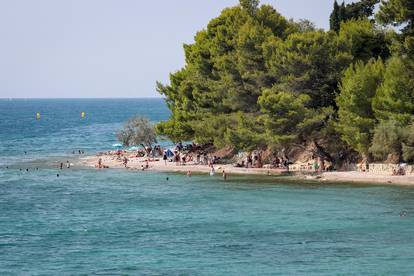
(119, 222)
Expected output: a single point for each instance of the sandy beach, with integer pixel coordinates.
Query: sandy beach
(134, 163)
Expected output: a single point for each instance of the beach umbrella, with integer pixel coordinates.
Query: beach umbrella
(118, 146)
(134, 148)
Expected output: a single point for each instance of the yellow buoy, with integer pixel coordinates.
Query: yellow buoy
(82, 114)
(37, 116)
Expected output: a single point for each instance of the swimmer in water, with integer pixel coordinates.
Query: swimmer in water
(189, 173)
(224, 175)
(212, 171)
(403, 213)
(57, 175)
(167, 179)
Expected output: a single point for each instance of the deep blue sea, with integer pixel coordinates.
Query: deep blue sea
(117, 222)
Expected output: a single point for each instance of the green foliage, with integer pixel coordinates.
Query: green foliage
(224, 73)
(137, 131)
(393, 139)
(361, 9)
(286, 117)
(310, 63)
(246, 133)
(398, 13)
(394, 99)
(356, 118)
(408, 143)
(358, 10)
(254, 80)
(334, 19)
(364, 39)
(305, 26)
(175, 130)
(387, 140)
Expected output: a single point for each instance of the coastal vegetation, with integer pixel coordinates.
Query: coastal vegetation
(254, 80)
(137, 131)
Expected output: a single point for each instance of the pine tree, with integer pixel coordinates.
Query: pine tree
(356, 117)
(342, 13)
(398, 13)
(334, 21)
(395, 98)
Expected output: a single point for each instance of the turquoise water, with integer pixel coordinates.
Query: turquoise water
(139, 223)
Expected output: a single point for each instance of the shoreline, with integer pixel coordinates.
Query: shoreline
(112, 162)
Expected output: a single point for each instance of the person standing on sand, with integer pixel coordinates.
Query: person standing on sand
(165, 158)
(67, 164)
(125, 161)
(100, 163)
(61, 165)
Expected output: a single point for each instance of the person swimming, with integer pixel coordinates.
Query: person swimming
(403, 213)
(189, 173)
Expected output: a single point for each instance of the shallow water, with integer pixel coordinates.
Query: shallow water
(61, 129)
(131, 222)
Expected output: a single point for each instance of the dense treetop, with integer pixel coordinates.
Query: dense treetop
(256, 80)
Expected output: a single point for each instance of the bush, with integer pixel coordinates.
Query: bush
(387, 140)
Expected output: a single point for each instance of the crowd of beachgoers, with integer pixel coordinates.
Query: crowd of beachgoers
(193, 158)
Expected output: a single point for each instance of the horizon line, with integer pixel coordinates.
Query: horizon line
(76, 98)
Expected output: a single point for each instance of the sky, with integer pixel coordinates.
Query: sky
(108, 48)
